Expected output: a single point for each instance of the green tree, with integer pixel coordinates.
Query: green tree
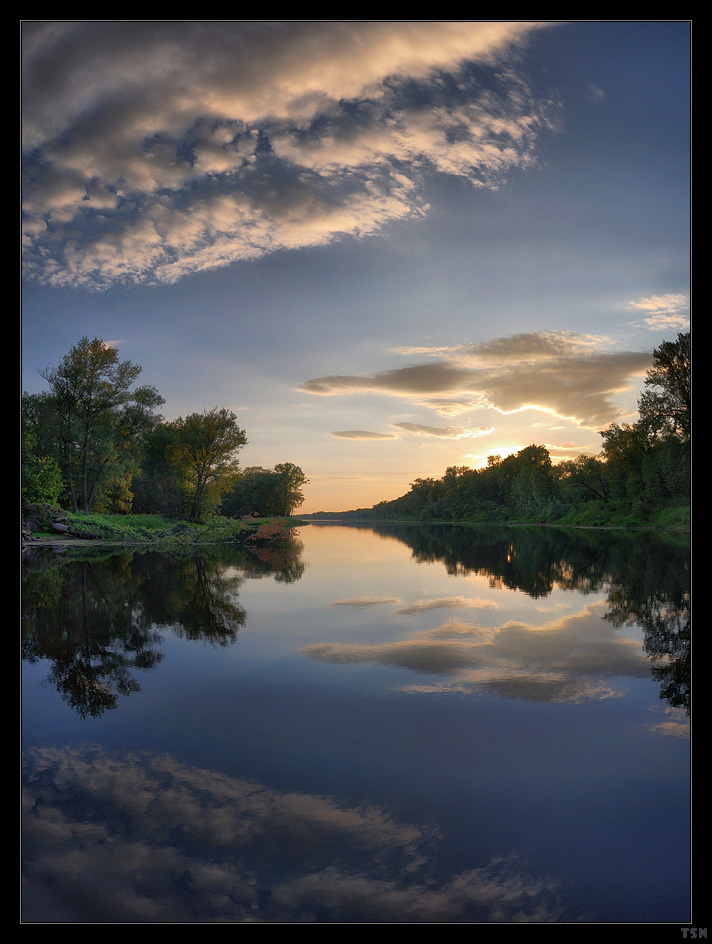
(266, 492)
(41, 475)
(162, 484)
(42, 480)
(254, 492)
(91, 392)
(665, 407)
(39, 425)
(291, 481)
(584, 480)
(205, 447)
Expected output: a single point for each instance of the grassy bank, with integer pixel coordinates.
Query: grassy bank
(39, 527)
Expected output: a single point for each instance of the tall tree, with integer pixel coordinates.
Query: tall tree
(265, 492)
(665, 406)
(291, 481)
(91, 389)
(207, 444)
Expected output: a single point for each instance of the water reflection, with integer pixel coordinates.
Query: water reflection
(665, 618)
(646, 578)
(99, 618)
(535, 560)
(162, 841)
(573, 658)
(427, 725)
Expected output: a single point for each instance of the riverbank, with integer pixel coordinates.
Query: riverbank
(49, 526)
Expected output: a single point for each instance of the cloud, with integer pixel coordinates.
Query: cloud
(594, 94)
(360, 434)
(445, 432)
(153, 150)
(567, 375)
(532, 347)
(431, 351)
(664, 312)
(413, 380)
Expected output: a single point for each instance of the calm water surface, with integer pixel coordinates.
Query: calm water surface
(406, 724)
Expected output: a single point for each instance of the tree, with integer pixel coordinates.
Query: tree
(648, 462)
(665, 407)
(291, 480)
(584, 480)
(39, 425)
(91, 392)
(254, 492)
(266, 492)
(41, 479)
(206, 445)
(162, 483)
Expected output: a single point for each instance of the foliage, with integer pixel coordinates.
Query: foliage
(665, 407)
(266, 492)
(90, 419)
(641, 477)
(42, 480)
(188, 463)
(95, 442)
(40, 516)
(204, 449)
(269, 530)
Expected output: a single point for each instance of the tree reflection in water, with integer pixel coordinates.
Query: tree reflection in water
(646, 577)
(99, 619)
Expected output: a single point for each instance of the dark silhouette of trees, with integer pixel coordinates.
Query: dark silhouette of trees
(643, 468)
(665, 405)
(648, 462)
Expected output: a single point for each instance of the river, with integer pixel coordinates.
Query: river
(387, 724)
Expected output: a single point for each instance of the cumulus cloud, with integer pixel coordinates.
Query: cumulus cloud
(664, 312)
(153, 150)
(570, 376)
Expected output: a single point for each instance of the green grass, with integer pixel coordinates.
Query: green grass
(144, 529)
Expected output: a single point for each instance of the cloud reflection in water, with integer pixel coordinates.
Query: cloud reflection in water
(562, 660)
(144, 838)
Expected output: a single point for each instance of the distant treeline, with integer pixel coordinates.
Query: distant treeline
(641, 476)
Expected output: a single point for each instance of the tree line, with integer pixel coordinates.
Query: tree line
(96, 441)
(642, 472)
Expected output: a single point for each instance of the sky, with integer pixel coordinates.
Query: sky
(389, 247)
